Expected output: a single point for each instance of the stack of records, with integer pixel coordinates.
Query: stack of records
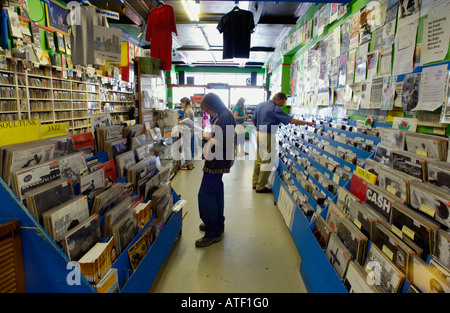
(142, 169)
(71, 166)
(344, 200)
(108, 134)
(365, 218)
(323, 231)
(426, 277)
(162, 200)
(92, 183)
(133, 130)
(97, 261)
(395, 182)
(84, 143)
(124, 229)
(109, 282)
(432, 201)
(431, 146)
(23, 155)
(338, 255)
(383, 155)
(411, 164)
(64, 145)
(116, 147)
(385, 274)
(106, 200)
(114, 214)
(394, 138)
(420, 229)
(48, 196)
(443, 247)
(123, 162)
(79, 240)
(356, 280)
(27, 179)
(381, 200)
(398, 250)
(439, 174)
(352, 238)
(137, 252)
(62, 218)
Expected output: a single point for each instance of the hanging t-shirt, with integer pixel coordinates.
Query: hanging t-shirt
(236, 26)
(160, 26)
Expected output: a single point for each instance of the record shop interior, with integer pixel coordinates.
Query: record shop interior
(202, 146)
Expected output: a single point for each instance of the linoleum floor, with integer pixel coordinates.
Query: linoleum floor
(256, 254)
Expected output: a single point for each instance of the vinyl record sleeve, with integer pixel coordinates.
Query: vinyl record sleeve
(426, 279)
(410, 164)
(338, 255)
(431, 146)
(48, 196)
(137, 252)
(333, 215)
(420, 229)
(395, 182)
(323, 231)
(124, 161)
(344, 199)
(82, 238)
(362, 219)
(443, 247)
(72, 166)
(380, 199)
(356, 280)
(92, 182)
(432, 201)
(387, 277)
(394, 138)
(383, 155)
(124, 230)
(439, 174)
(30, 178)
(394, 248)
(352, 238)
(59, 220)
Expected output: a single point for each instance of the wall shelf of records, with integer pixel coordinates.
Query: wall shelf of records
(112, 212)
(390, 215)
(55, 95)
(379, 59)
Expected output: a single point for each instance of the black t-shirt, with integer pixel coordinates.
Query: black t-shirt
(236, 27)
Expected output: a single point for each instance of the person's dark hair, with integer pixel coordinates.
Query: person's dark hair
(279, 95)
(240, 104)
(212, 102)
(186, 100)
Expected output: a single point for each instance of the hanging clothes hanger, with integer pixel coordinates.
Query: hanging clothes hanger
(159, 3)
(236, 8)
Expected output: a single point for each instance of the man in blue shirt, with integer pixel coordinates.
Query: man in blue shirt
(266, 118)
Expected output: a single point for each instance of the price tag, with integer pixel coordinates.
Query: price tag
(397, 231)
(421, 152)
(357, 223)
(336, 178)
(387, 252)
(428, 210)
(408, 232)
(391, 189)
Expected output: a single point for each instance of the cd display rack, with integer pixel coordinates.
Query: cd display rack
(52, 95)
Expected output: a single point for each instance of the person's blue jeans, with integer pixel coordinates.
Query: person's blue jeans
(211, 204)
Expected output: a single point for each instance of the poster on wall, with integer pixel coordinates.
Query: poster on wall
(107, 43)
(55, 14)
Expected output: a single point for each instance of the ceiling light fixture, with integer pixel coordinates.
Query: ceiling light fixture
(192, 9)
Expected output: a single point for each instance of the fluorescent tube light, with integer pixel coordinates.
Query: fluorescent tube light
(192, 9)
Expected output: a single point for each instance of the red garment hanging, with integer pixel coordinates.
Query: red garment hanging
(160, 25)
